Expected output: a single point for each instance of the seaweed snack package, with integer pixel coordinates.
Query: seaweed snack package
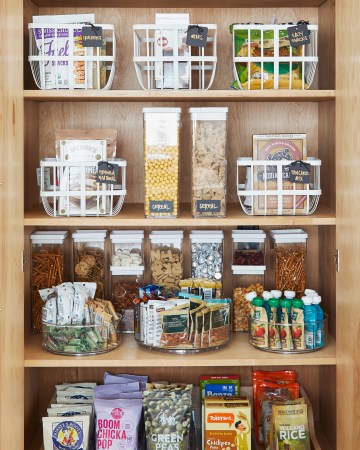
(266, 394)
(167, 414)
(290, 428)
(66, 432)
(117, 424)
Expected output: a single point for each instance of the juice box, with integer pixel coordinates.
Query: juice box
(227, 423)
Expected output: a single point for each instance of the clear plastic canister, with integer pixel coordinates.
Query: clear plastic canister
(248, 248)
(289, 247)
(48, 268)
(207, 254)
(125, 283)
(245, 280)
(208, 161)
(90, 258)
(161, 155)
(166, 260)
(127, 248)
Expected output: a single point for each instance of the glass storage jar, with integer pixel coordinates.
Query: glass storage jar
(245, 280)
(206, 253)
(289, 247)
(125, 283)
(48, 268)
(90, 258)
(127, 249)
(208, 126)
(166, 260)
(161, 155)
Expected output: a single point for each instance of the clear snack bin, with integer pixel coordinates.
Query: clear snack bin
(289, 247)
(161, 154)
(127, 249)
(207, 248)
(166, 260)
(48, 268)
(246, 279)
(79, 340)
(248, 248)
(208, 161)
(125, 283)
(89, 258)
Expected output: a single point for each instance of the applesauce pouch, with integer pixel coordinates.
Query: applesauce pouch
(259, 324)
(274, 333)
(297, 325)
(285, 329)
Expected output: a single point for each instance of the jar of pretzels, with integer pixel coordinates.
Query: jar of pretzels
(289, 248)
(48, 268)
(89, 258)
(245, 280)
(125, 283)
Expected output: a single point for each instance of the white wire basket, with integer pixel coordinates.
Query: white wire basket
(72, 190)
(263, 188)
(60, 62)
(264, 59)
(163, 61)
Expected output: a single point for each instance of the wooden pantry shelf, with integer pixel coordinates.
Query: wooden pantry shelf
(132, 214)
(229, 95)
(238, 353)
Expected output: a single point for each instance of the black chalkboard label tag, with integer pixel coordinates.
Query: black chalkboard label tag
(161, 206)
(196, 36)
(299, 172)
(107, 173)
(91, 36)
(208, 206)
(299, 35)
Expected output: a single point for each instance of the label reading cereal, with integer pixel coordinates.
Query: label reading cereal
(208, 206)
(159, 206)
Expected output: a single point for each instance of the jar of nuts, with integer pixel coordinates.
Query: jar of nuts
(248, 248)
(208, 161)
(166, 260)
(127, 249)
(125, 283)
(89, 258)
(289, 247)
(245, 280)
(207, 254)
(161, 155)
(48, 268)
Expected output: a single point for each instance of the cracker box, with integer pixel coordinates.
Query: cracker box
(227, 423)
(219, 386)
(277, 147)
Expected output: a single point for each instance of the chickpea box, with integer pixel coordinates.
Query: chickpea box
(227, 423)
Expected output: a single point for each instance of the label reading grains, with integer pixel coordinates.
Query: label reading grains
(159, 206)
(208, 205)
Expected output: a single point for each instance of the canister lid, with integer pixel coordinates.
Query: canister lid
(138, 270)
(161, 110)
(248, 270)
(89, 235)
(48, 237)
(206, 236)
(248, 235)
(288, 236)
(208, 113)
(127, 236)
(166, 237)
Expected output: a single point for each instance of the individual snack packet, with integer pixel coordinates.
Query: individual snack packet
(116, 388)
(110, 378)
(80, 385)
(70, 410)
(49, 310)
(175, 328)
(71, 432)
(75, 395)
(65, 301)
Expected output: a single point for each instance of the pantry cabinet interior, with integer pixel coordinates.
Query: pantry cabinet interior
(327, 114)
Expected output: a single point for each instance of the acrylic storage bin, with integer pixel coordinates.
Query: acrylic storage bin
(79, 340)
(209, 163)
(289, 258)
(246, 279)
(49, 268)
(206, 254)
(248, 248)
(166, 260)
(125, 283)
(264, 59)
(256, 198)
(69, 188)
(90, 258)
(163, 60)
(59, 61)
(127, 249)
(161, 154)
(288, 337)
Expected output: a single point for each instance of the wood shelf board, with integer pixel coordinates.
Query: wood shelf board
(182, 95)
(238, 353)
(132, 215)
